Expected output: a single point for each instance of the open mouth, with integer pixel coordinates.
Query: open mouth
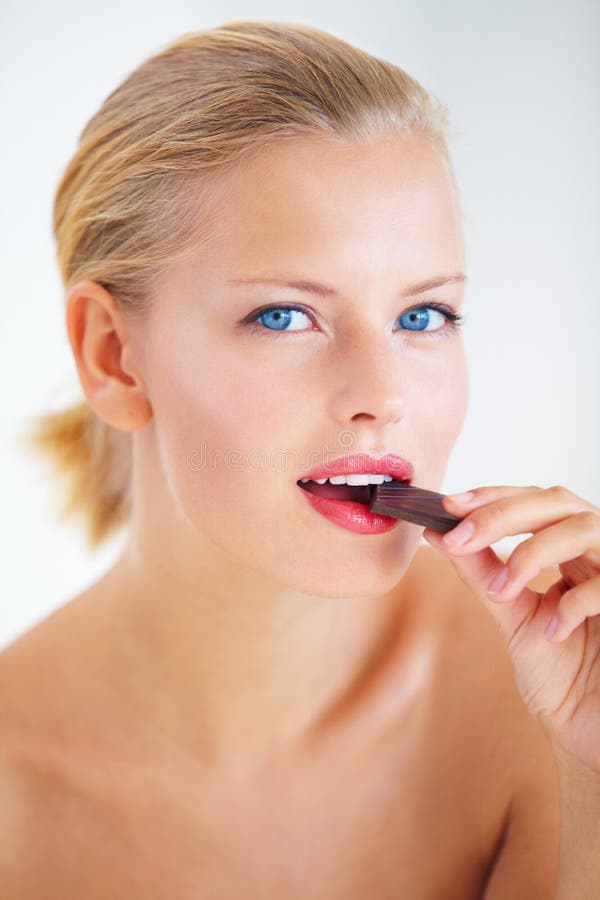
(357, 493)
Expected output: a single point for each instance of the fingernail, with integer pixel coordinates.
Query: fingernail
(462, 498)
(460, 535)
(498, 581)
(551, 626)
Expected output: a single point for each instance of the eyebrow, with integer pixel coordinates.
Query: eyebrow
(324, 290)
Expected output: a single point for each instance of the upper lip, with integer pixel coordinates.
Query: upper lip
(364, 464)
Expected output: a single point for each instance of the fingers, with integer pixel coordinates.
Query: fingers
(512, 511)
(576, 605)
(565, 532)
(552, 546)
(565, 529)
(488, 493)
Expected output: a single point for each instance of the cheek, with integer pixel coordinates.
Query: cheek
(439, 403)
(218, 422)
(218, 429)
(208, 391)
(450, 404)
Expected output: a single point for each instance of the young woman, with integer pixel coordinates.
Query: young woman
(274, 693)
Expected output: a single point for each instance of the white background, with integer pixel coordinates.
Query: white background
(522, 83)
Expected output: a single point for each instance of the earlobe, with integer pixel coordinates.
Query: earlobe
(100, 343)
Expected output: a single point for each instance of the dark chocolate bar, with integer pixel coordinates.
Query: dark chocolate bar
(413, 504)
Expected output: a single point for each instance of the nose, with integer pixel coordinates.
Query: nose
(369, 383)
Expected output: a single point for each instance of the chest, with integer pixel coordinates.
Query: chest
(393, 821)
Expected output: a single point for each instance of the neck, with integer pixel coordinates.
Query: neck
(237, 667)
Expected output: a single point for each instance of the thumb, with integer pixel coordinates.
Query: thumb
(476, 571)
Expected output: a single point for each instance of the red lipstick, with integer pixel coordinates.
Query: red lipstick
(348, 505)
(364, 464)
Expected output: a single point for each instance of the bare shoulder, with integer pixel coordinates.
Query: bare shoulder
(36, 687)
(17, 814)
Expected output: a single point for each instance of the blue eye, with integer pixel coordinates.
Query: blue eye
(277, 318)
(418, 319)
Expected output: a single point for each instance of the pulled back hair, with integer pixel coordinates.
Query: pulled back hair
(130, 200)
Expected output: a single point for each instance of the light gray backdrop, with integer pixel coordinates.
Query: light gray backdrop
(521, 80)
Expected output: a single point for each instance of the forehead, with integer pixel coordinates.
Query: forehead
(391, 192)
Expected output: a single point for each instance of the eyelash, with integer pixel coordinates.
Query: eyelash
(455, 320)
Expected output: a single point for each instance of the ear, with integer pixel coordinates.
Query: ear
(103, 347)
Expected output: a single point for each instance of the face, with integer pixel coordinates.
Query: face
(242, 409)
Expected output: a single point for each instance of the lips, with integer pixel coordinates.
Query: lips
(364, 464)
(355, 464)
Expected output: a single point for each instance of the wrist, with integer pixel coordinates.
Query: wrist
(579, 855)
(574, 767)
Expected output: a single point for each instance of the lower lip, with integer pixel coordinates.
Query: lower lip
(352, 516)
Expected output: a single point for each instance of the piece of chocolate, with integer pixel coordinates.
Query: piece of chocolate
(413, 504)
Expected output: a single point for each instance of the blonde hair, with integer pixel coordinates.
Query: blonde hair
(130, 199)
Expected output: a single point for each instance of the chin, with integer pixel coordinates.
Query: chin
(368, 577)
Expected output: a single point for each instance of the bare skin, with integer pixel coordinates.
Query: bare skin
(403, 789)
(254, 701)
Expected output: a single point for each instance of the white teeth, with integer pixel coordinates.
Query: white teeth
(364, 479)
(352, 479)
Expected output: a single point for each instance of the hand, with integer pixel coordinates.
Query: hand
(557, 674)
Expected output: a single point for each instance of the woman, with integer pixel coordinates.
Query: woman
(271, 694)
